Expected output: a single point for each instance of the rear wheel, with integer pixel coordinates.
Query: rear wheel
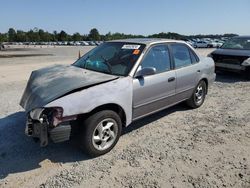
(100, 132)
(198, 96)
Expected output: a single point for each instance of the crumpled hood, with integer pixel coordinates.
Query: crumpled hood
(232, 52)
(50, 83)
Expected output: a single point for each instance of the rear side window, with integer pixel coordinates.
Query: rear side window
(157, 57)
(194, 58)
(181, 55)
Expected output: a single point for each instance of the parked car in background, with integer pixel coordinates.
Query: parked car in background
(190, 42)
(111, 86)
(84, 43)
(98, 42)
(234, 55)
(216, 43)
(77, 43)
(201, 44)
(92, 43)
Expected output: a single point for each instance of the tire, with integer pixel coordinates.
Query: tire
(100, 132)
(247, 73)
(198, 96)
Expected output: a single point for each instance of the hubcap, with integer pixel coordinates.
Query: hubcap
(199, 94)
(105, 134)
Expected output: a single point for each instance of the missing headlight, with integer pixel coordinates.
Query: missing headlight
(36, 114)
(52, 116)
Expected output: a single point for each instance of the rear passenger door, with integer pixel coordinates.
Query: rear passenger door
(187, 70)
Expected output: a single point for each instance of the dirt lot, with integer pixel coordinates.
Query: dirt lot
(178, 147)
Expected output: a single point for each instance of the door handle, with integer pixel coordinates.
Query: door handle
(198, 70)
(171, 79)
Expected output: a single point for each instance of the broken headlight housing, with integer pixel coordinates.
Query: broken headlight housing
(53, 115)
(37, 114)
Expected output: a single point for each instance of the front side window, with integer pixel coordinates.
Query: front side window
(157, 57)
(181, 55)
(116, 58)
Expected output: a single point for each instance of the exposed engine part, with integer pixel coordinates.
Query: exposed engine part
(37, 130)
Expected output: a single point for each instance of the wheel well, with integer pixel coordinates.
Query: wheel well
(205, 80)
(114, 107)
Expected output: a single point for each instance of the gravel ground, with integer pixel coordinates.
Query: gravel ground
(178, 147)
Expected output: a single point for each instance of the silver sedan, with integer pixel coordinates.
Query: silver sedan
(111, 86)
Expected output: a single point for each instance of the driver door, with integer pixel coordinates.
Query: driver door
(154, 92)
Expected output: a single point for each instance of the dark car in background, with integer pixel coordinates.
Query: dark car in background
(234, 55)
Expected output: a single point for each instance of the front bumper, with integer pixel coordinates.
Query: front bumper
(44, 132)
(227, 66)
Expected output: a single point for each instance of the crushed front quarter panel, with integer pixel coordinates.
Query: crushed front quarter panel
(118, 92)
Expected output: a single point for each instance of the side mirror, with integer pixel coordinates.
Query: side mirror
(145, 72)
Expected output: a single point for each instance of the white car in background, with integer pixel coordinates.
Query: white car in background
(84, 43)
(191, 43)
(91, 43)
(216, 43)
(201, 44)
(77, 43)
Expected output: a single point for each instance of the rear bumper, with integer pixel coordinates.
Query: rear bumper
(45, 132)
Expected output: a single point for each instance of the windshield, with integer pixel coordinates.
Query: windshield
(116, 58)
(237, 43)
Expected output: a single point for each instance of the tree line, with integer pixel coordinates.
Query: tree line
(39, 35)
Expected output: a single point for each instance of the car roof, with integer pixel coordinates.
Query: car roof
(147, 41)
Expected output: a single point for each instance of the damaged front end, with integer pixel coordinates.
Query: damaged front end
(48, 84)
(49, 123)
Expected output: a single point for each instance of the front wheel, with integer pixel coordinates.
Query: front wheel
(198, 96)
(100, 132)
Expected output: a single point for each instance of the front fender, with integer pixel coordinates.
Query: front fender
(118, 92)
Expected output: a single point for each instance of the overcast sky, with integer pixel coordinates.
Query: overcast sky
(128, 16)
